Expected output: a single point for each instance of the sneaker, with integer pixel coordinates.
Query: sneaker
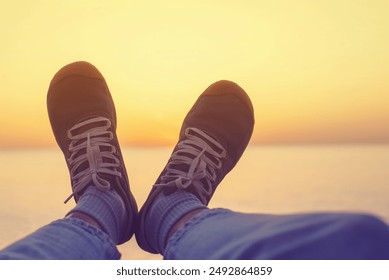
(83, 119)
(213, 137)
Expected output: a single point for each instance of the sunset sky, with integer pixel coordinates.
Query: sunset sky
(316, 71)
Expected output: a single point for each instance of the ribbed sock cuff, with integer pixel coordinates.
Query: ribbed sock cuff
(165, 212)
(107, 208)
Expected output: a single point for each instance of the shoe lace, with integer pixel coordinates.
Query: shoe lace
(91, 155)
(202, 155)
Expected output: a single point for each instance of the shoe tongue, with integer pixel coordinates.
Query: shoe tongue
(95, 163)
(96, 153)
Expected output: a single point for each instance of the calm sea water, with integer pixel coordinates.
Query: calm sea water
(268, 179)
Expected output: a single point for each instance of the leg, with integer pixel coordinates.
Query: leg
(65, 239)
(83, 118)
(222, 234)
(175, 222)
(213, 137)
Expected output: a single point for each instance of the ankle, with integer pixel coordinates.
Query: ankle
(104, 210)
(164, 216)
(181, 222)
(86, 218)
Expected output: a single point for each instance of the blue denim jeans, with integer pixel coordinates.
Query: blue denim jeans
(223, 234)
(65, 239)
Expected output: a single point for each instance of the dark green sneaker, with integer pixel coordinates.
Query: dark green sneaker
(83, 118)
(213, 137)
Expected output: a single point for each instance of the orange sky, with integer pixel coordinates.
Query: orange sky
(316, 71)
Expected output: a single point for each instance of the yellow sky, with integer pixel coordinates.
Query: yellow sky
(316, 71)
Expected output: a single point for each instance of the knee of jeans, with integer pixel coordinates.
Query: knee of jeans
(364, 225)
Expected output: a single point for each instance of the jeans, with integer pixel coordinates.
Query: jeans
(223, 234)
(66, 239)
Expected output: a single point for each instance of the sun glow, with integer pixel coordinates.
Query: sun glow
(316, 71)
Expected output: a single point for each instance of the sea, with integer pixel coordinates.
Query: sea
(268, 179)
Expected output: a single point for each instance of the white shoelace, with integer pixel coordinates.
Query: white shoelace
(198, 151)
(95, 140)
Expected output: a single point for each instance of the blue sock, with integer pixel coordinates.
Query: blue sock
(164, 213)
(107, 208)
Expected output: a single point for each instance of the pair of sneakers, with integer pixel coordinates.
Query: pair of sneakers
(213, 136)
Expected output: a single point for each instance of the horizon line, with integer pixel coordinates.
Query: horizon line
(263, 144)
